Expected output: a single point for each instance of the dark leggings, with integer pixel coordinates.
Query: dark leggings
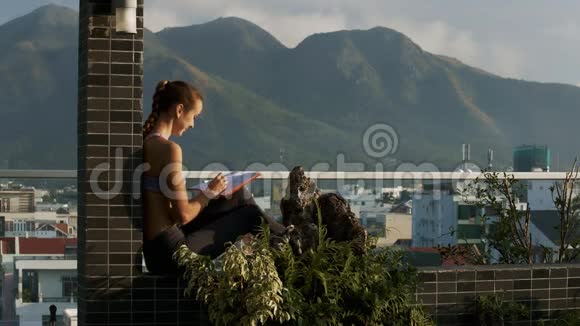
(222, 221)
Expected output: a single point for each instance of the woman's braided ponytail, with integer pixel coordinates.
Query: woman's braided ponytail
(154, 115)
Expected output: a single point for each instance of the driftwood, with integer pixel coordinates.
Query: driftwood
(300, 215)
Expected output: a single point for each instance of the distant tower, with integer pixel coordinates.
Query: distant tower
(282, 151)
(490, 159)
(466, 153)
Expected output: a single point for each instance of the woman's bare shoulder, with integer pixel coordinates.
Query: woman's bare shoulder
(173, 151)
(165, 150)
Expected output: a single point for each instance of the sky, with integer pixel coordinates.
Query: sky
(523, 39)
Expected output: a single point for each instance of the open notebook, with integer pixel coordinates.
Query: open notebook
(236, 180)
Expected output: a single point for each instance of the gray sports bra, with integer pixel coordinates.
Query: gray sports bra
(148, 182)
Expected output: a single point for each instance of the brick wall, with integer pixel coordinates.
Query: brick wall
(546, 290)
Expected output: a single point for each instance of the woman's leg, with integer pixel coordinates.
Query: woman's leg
(158, 253)
(223, 205)
(211, 237)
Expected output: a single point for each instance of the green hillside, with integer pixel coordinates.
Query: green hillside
(315, 100)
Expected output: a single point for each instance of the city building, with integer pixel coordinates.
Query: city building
(394, 191)
(539, 196)
(12, 248)
(38, 273)
(39, 224)
(70, 317)
(531, 158)
(435, 216)
(41, 282)
(443, 216)
(374, 219)
(358, 196)
(17, 200)
(405, 208)
(545, 232)
(399, 224)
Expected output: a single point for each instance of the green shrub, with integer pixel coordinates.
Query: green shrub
(256, 283)
(564, 318)
(494, 310)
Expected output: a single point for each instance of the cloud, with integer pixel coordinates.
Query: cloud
(288, 22)
(163, 13)
(476, 43)
(440, 38)
(156, 20)
(506, 60)
(291, 29)
(568, 31)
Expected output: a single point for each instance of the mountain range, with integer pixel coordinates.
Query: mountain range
(309, 103)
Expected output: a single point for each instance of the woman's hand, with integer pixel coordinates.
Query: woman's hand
(218, 184)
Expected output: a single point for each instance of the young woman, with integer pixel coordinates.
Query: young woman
(207, 221)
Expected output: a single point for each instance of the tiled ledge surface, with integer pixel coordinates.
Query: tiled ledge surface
(547, 290)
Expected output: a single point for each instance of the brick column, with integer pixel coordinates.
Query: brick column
(113, 290)
(109, 149)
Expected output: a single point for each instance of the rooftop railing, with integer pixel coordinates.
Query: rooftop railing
(323, 175)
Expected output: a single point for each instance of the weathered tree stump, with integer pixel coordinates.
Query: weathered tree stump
(300, 215)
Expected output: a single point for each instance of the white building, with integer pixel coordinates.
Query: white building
(42, 282)
(33, 224)
(70, 317)
(357, 195)
(539, 195)
(434, 216)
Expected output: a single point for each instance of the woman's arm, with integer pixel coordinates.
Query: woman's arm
(182, 208)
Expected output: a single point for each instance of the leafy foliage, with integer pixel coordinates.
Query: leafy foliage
(461, 254)
(256, 283)
(27, 295)
(493, 308)
(509, 234)
(568, 207)
(564, 318)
